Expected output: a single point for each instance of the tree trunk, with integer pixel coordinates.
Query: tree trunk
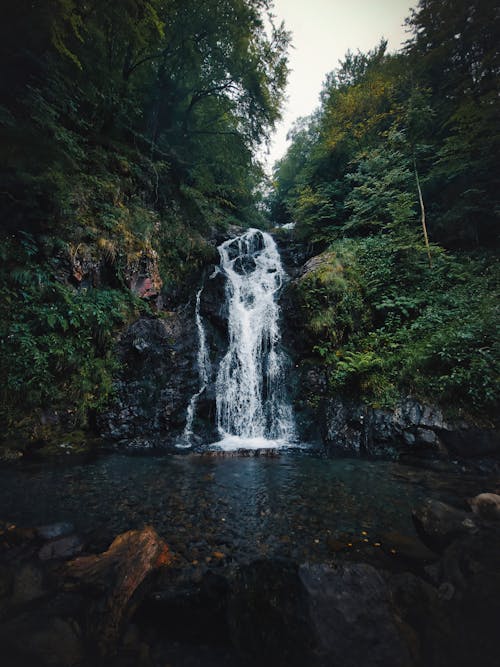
(422, 211)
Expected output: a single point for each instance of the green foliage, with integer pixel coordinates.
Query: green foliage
(432, 333)
(431, 110)
(57, 349)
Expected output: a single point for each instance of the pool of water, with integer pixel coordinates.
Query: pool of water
(295, 504)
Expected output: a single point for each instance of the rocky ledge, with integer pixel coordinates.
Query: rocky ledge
(410, 428)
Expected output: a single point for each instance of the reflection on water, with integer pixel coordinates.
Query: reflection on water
(291, 505)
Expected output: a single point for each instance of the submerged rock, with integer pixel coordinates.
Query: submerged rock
(54, 530)
(61, 548)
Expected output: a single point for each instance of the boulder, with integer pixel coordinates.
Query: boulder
(439, 524)
(315, 615)
(54, 530)
(118, 578)
(61, 548)
(486, 506)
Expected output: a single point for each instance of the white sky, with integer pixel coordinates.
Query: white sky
(322, 32)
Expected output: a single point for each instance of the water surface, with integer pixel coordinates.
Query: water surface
(296, 504)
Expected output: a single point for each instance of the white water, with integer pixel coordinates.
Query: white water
(252, 409)
(251, 404)
(204, 373)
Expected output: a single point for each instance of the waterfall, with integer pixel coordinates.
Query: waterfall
(251, 404)
(204, 373)
(252, 409)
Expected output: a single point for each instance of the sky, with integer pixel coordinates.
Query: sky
(322, 32)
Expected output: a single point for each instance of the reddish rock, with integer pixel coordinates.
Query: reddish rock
(118, 575)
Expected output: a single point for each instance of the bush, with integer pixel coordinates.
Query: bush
(393, 325)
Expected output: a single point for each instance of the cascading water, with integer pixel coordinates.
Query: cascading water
(204, 373)
(251, 404)
(252, 409)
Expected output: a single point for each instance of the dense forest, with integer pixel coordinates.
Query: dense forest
(395, 179)
(129, 134)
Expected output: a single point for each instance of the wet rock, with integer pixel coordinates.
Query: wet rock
(61, 548)
(54, 530)
(486, 506)
(118, 576)
(439, 524)
(423, 620)
(408, 548)
(411, 428)
(315, 615)
(268, 452)
(28, 584)
(347, 426)
(40, 639)
(350, 612)
(470, 442)
(157, 380)
(213, 301)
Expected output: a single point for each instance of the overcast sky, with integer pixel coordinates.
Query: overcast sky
(322, 32)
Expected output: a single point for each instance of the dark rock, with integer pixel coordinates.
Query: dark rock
(315, 615)
(40, 639)
(213, 301)
(347, 426)
(486, 506)
(157, 380)
(350, 612)
(61, 548)
(410, 429)
(423, 620)
(472, 442)
(408, 548)
(28, 584)
(439, 524)
(54, 530)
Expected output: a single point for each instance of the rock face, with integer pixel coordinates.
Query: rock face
(142, 274)
(410, 428)
(86, 266)
(158, 377)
